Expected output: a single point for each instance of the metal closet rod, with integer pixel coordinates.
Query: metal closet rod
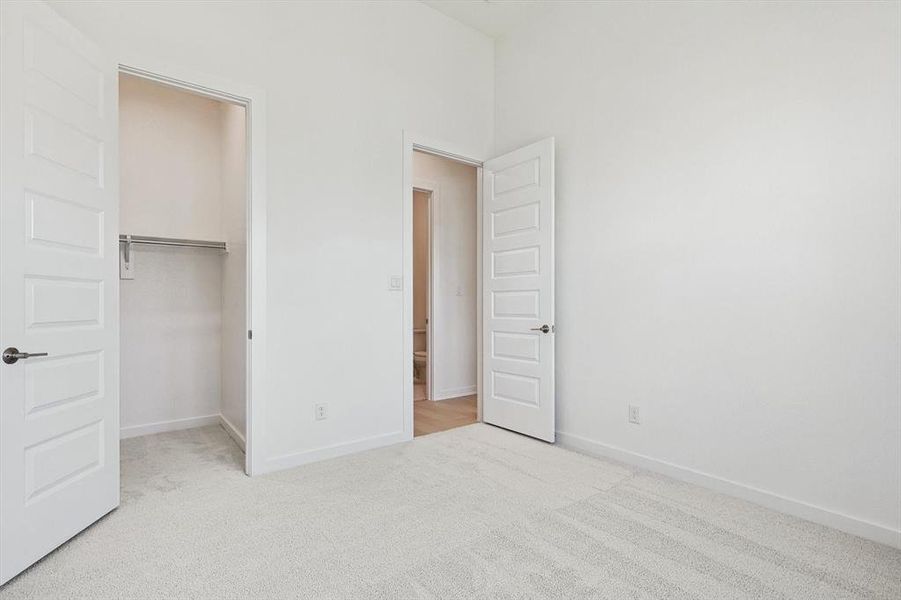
(149, 240)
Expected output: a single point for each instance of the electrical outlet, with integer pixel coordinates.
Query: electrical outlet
(321, 411)
(634, 414)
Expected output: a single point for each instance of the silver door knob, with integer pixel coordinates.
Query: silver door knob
(11, 355)
(542, 329)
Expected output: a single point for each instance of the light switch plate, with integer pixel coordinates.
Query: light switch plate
(634, 414)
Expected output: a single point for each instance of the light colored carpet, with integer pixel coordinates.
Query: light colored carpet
(475, 512)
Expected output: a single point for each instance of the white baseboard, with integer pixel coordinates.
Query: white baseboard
(296, 459)
(163, 426)
(468, 390)
(233, 433)
(852, 525)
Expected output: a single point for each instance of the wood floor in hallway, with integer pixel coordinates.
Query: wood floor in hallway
(430, 417)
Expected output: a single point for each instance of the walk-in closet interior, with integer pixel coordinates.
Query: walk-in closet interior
(183, 268)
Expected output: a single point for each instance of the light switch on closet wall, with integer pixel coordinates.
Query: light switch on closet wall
(395, 283)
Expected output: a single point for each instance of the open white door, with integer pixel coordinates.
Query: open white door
(518, 290)
(59, 428)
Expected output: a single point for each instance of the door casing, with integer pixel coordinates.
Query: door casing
(420, 143)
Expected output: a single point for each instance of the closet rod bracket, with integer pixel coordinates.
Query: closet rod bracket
(127, 248)
(126, 269)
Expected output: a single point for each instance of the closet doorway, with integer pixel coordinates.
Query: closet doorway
(185, 268)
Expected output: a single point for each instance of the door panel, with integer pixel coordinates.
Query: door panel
(59, 423)
(518, 287)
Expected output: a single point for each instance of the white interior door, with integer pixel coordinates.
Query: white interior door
(518, 289)
(59, 428)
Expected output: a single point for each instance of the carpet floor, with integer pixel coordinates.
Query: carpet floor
(474, 512)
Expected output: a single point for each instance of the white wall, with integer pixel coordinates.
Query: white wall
(233, 175)
(170, 183)
(454, 271)
(342, 80)
(171, 312)
(727, 242)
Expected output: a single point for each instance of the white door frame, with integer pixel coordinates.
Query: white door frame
(421, 143)
(254, 102)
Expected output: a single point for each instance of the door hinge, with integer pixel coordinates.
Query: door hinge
(250, 334)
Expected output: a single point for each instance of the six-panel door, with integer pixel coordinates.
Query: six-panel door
(518, 288)
(59, 455)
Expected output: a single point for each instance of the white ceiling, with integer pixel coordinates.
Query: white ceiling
(495, 18)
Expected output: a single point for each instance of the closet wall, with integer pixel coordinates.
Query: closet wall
(181, 176)
(234, 269)
(170, 143)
